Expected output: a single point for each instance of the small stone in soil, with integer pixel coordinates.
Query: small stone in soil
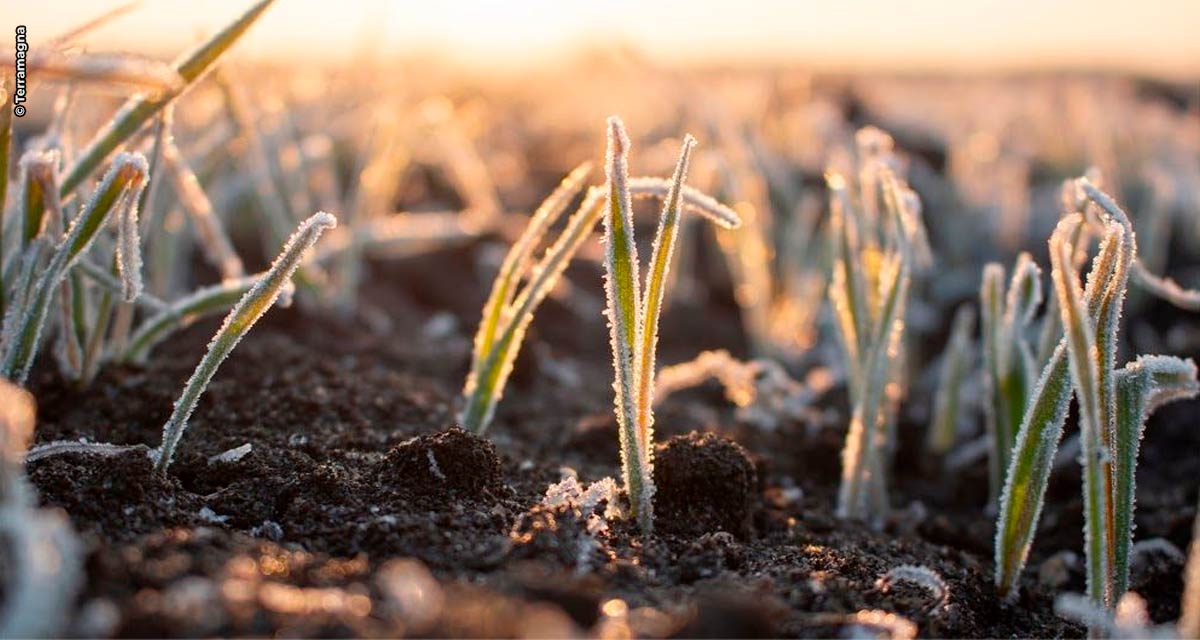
(704, 483)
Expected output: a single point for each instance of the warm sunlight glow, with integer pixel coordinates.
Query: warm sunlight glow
(922, 34)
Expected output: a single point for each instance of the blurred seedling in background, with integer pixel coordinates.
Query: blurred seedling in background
(877, 238)
(44, 569)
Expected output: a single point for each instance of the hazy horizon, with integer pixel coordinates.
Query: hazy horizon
(919, 35)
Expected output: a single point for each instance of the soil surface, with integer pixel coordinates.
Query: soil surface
(361, 510)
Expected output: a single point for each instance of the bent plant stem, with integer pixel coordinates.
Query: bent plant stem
(1141, 387)
(499, 306)
(183, 312)
(241, 318)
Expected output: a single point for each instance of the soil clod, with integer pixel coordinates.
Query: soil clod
(705, 483)
(451, 462)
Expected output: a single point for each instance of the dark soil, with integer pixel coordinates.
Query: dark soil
(362, 510)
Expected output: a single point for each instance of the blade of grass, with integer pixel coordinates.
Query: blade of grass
(652, 301)
(1142, 386)
(38, 169)
(125, 178)
(498, 366)
(182, 313)
(139, 109)
(516, 264)
(622, 291)
(237, 323)
(991, 293)
(1084, 361)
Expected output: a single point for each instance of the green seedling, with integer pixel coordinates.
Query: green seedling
(237, 323)
(510, 307)
(874, 246)
(1008, 359)
(633, 314)
(114, 196)
(1114, 404)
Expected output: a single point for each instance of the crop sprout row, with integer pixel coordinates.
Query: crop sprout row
(91, 268)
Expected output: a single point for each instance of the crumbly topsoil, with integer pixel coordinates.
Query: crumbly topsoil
(362, 510)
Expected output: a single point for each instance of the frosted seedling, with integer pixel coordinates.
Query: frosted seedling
(1037, 440)
(1008, 359)
(1114, 404)
(1141, 387)
(241, 318)
(115, 194)
(1085, 373)
(874, 254)
(956, 361)
(523, 283)
(633, 314)
(484, 383)
(40, 207)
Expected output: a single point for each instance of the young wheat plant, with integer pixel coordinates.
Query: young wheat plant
(1009, 366)
(241, 318)
(633, 314)
(115, 196)
(1114, 404)
(510, 307)
(956, 362)
(876, 239)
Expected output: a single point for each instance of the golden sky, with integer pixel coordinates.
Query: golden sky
(1146, 35)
